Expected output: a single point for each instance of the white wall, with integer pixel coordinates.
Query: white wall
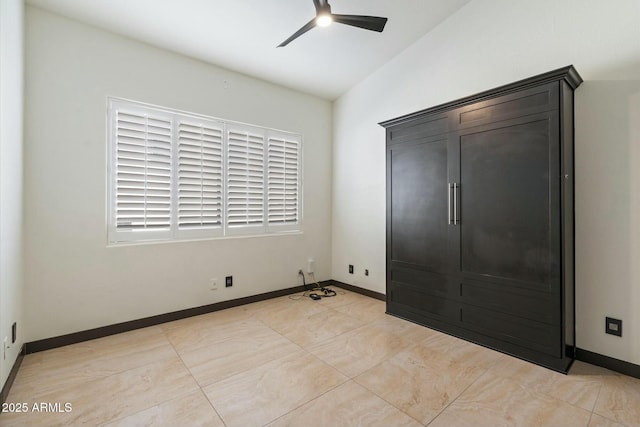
(11, 121)
(486, 44)
(73, 280)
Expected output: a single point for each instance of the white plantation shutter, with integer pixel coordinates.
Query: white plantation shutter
(175, 175)
(283, 181)
(200, 168)
(142, 162)
(245, 178)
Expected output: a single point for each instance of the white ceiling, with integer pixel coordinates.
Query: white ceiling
(242, 35)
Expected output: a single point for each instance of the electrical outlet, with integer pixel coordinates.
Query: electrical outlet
(366, 272)
(213, 284)
(14, 332)
(228, 281)
(350, 269)
(613, 326)
(310, 265)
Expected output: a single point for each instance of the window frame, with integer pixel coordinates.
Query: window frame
(116, 236)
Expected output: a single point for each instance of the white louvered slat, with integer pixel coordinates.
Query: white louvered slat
(245, 177)
(142, 171)
(199, 174)
(283, 182)
(177, 175)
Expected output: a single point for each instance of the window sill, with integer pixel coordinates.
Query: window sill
(203, 239)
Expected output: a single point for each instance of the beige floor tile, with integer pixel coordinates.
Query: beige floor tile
(360, 349)
(317, 327)
(192, 410)
(495, 401)
(296, 302)
(419, 381)
(409, 331)
(48, 371)
(287, 311)
(237, 354)
(619, 400)
(114, 397)
(522, 371)
(343, 297)
(267, 392)
(580, 387)
(366, 310)
(88, 349)
(209, 331)
(347, 405)
(326, 301)
(598, 421)
(461, 350)
(33, 419)
(220, 317)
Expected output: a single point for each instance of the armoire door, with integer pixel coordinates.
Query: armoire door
(509, 201)
(418, 240)
(509, 230)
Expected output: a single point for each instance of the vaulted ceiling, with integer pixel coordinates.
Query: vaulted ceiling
(242, 35)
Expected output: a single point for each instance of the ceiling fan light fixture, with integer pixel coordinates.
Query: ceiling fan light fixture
(324, 20)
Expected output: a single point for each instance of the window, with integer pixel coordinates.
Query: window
(245, 178)
(283, 171)
(175, 176)
(199, 177)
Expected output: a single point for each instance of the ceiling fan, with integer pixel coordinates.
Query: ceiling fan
(324, 17)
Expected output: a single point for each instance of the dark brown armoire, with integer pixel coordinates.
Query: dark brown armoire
(480, 221)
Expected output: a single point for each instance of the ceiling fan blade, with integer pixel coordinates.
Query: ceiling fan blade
(373, 23)
(321, 4)
(309, 25)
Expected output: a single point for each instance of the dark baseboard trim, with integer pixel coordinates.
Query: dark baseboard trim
(12, 376)
(617, 365)
(359, 290)
(104, 331)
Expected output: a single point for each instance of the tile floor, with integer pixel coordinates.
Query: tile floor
(336, 362)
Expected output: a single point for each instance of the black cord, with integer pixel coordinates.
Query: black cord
(314, 292)
(304, 285)
(326, 293)
(304, 282)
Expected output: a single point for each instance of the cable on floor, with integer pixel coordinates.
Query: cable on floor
(316, 292)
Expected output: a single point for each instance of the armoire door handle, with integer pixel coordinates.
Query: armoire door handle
(455, 203)
(448, 203)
